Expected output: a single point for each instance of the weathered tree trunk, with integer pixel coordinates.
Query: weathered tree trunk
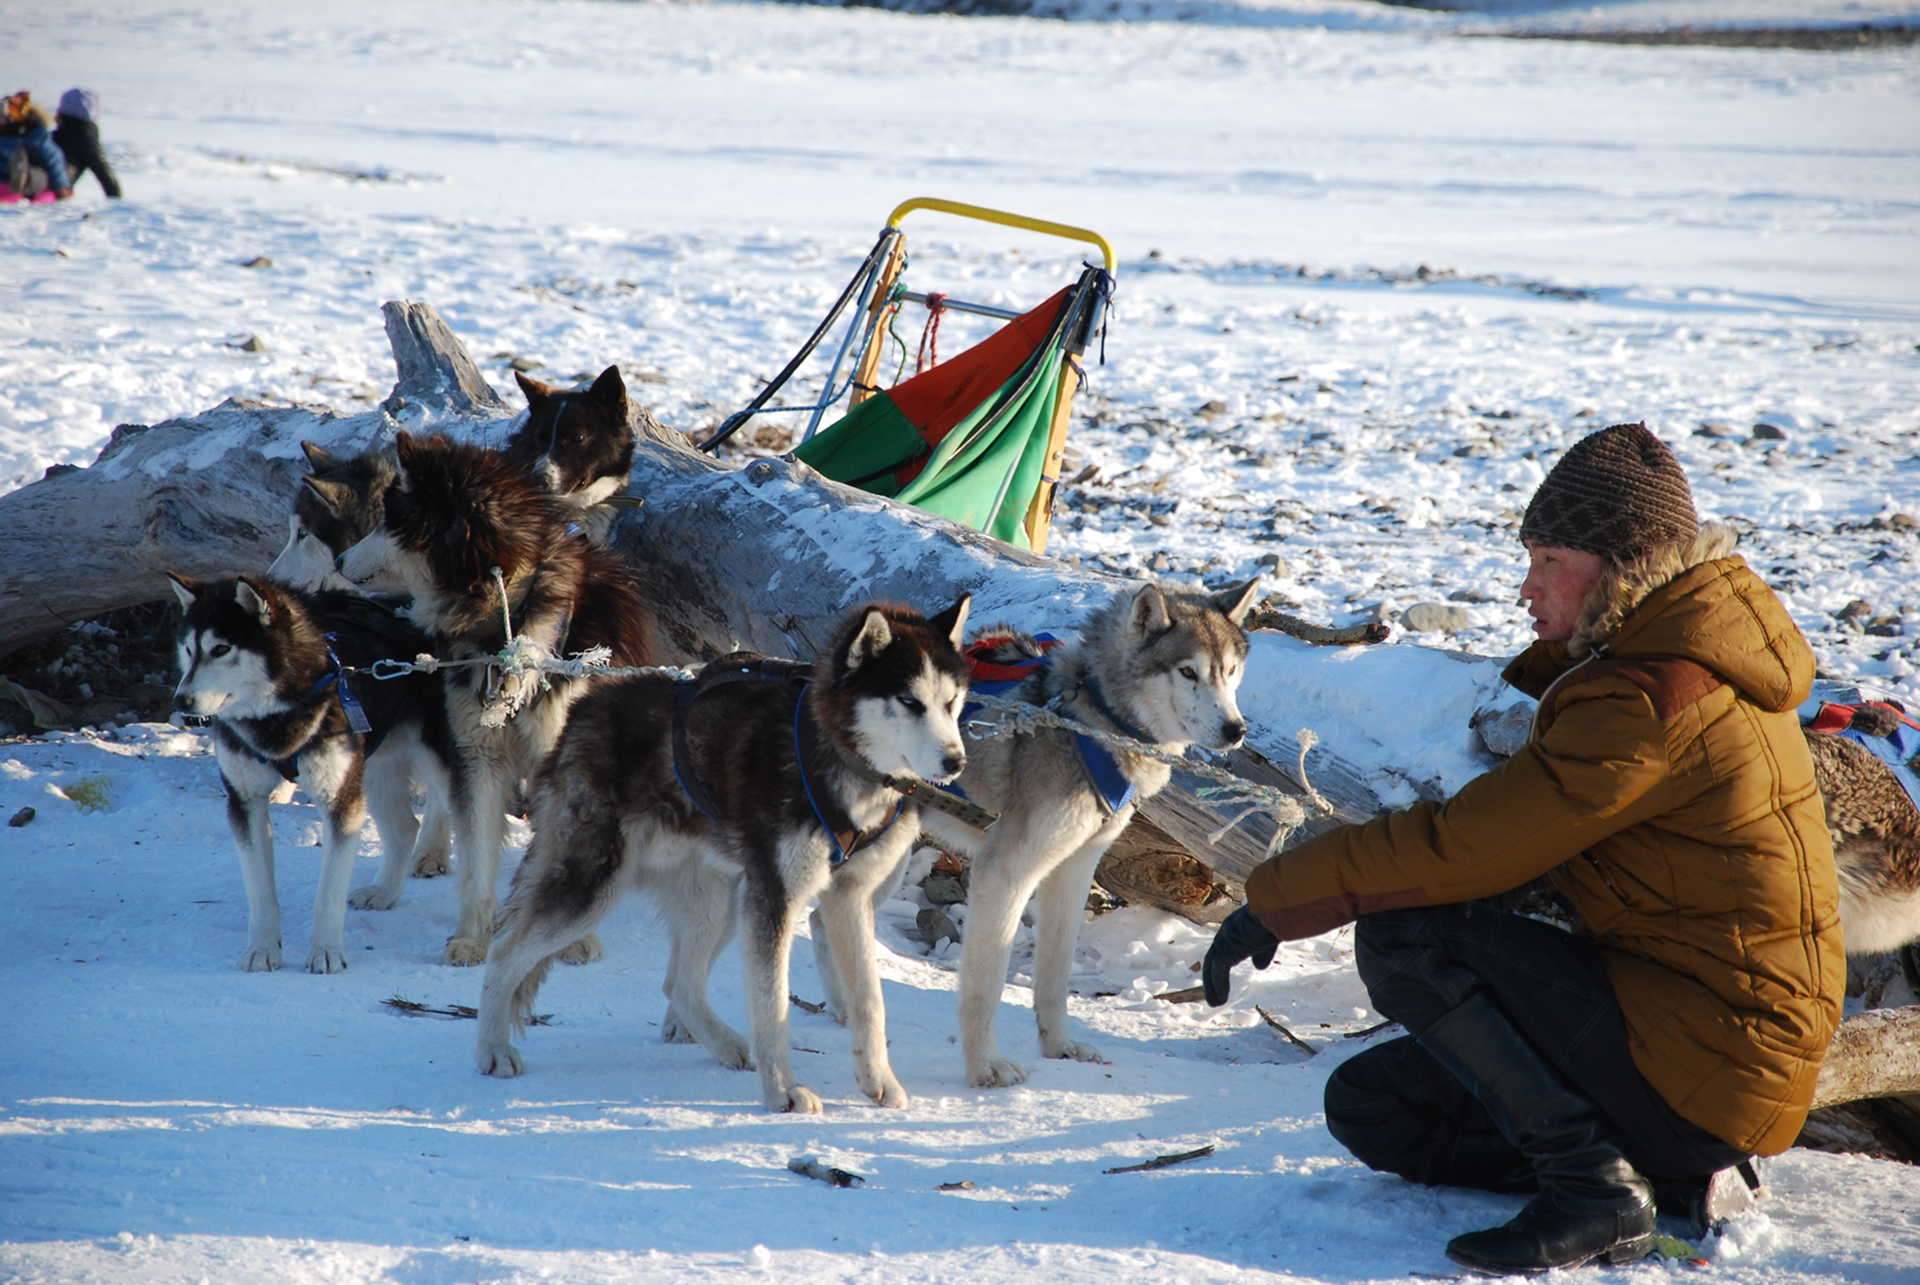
(767, 556)
(1876, 1054)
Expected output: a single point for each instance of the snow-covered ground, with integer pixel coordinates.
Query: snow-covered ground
(1374, 277)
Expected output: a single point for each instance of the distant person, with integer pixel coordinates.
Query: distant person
(78, 137)
(30, 162)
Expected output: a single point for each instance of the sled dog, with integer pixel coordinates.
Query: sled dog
(1158, 665)
(1875, 824)
(578, 445)
(485, 555)
(753, 778)
(340, 500)
(268, 665)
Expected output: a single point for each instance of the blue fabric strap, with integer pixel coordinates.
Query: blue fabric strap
(845, 839)
(1101, 769)
(349, 703)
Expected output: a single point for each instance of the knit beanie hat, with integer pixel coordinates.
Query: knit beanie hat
(1617, 493)
(79, 103)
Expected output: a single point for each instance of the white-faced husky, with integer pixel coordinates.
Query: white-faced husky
(269, 666)
(785, 785)
(485, 555)
(1156, 665)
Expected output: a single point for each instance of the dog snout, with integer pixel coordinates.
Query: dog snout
(953, 763)
(1232, 732)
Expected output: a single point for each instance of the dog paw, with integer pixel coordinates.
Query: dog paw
(261, 959)
(1073, 1050)
(584, 951)
(730, 1051)
(888, 1092)
(799, 1100)
(999, 1073)
(465, 952)
(327, 959)
(502, 1060)
(373, 897)
(672, 1031)
(431, 865)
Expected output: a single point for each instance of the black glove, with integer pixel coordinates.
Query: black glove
(1240, 936)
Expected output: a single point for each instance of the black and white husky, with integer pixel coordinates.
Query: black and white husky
(486, 556)
(751, 779)
(268, 665)
(1157, 665)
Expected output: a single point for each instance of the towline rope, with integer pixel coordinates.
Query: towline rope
(1012, 716)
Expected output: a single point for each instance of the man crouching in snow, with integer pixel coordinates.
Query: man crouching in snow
(1667, 786)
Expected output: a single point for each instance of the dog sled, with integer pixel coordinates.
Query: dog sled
(977, 438)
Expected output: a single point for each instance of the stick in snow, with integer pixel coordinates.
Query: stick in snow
(1280, 1026)
(1161, 1162)
(412, 1009)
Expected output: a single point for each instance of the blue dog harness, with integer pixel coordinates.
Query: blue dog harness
(1898, 749)
(1097, 763)
(845, 837)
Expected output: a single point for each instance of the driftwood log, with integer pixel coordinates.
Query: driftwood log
(764, 556)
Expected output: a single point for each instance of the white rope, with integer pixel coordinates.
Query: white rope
(1013, 715)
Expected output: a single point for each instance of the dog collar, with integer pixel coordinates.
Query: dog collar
(1121, 723)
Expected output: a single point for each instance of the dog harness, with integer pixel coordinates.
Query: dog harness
(1897, 747)
(1097, 763)
(335, 681)
(833, 820)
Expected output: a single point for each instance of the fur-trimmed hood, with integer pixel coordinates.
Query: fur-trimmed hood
(1701, 601)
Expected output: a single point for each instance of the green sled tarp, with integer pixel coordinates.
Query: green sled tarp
(967, 439)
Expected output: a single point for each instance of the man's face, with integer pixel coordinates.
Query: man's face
(1557, 584)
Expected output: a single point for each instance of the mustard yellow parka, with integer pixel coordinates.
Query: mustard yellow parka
(1668, 789)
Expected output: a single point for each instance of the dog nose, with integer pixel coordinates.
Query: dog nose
(952, 764)
(1232, 732)
(181, 703)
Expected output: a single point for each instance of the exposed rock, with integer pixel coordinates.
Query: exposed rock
(1503, 730)
(1435, 617)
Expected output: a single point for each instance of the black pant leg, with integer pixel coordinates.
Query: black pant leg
(1399, 1111)
(1418, 964)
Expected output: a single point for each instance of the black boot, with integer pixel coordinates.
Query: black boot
(1704, 1203)
(1592, 1202)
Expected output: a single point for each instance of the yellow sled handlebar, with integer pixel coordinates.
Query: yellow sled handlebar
(1005, 219)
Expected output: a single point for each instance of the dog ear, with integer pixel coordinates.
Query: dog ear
(318, 457)
(953, 621)
(184, 589)
(333, 495)
(248, 595)
(533, 388)
(1148, 614)
(406, 449)
(1234, 603)
(870, 639)
(609, 388)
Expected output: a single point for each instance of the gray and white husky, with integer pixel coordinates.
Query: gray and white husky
(268, 665)
(779, 785)
(1157, 665)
